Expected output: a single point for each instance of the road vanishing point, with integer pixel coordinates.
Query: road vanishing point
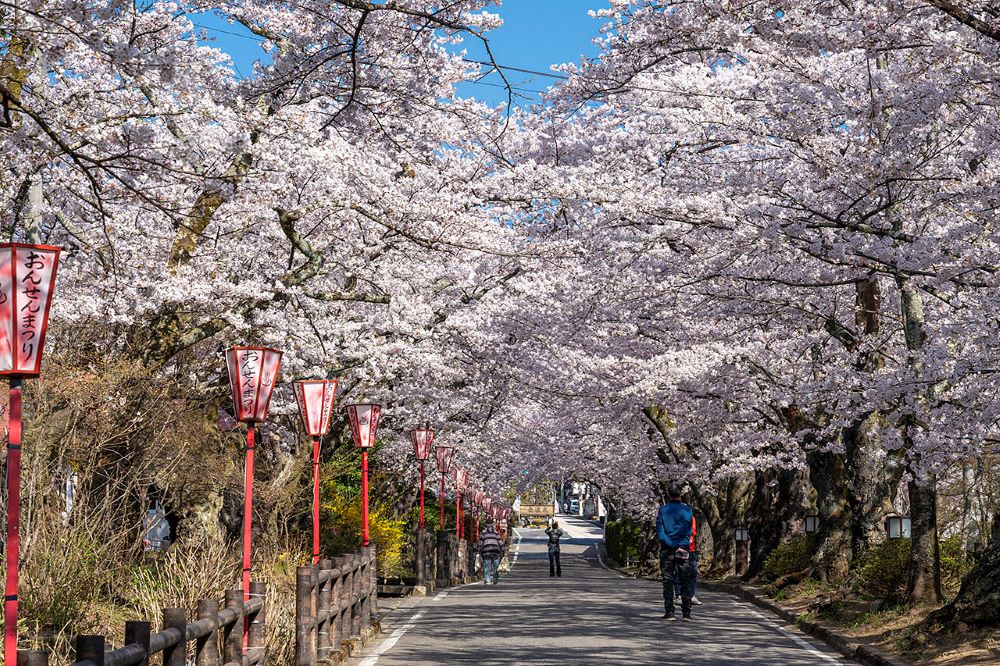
(592, 615)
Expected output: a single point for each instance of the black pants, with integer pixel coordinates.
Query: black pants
(555, 568)
(671, 569)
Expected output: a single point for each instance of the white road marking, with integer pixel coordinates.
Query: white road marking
(517, 548)
(801, 642)
(441, 595)
(393, 638)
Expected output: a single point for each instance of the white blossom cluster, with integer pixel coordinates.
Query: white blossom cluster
(736, 213)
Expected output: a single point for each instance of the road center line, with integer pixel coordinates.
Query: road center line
(393, 638)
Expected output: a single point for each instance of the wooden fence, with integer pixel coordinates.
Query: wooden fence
(336, 610)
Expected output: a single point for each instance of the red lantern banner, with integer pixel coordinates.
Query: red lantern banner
(315, 401)
(478, 498)
(444, 454)
(27, 277)
(253, 372)
(364, 424)
(422, 440)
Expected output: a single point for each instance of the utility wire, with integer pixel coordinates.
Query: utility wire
(534, 72)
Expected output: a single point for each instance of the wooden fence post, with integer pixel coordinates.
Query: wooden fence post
(175, 618)
(207, 647)
(357, 581)
(90, 648)
(442, 556)
(305, 652)
(137, 633)
(256, 637)
(232, 635)
(32, 658)
(373, 586)
(337, 633)
(323, 610)
(347, 619)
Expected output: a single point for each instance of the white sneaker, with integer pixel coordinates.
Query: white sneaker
(695, 601)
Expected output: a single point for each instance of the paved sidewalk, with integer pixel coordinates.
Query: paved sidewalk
(591, 615)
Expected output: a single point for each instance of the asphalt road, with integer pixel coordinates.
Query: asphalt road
(591, 615)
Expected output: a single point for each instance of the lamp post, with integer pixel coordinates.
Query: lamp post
(315, 401)
(742, 550)
(479, 496)
(443, 455)
(364, 420)
(422, 440)
(461, 482)
(812, 524)
(252, 375)
(27, 281)
(898, 527)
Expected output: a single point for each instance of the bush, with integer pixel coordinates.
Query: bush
(884, 570)
(955, 562)
(342, 510)
(791, 556)
(623, 540)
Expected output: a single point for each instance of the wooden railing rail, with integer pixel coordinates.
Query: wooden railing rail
(213, 626)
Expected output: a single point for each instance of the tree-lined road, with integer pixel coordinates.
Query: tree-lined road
(591, 615)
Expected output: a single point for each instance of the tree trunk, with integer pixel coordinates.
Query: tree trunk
(871, 482)
(924, 581)
(978, 602)
(828, 476)
(777, 507)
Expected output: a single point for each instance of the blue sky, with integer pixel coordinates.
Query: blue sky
(536, 34)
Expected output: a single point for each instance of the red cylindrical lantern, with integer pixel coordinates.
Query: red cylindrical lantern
(364, 420)
(443, 455)
(422, 440)
(27, 281)
(315, 401)
(253, 372)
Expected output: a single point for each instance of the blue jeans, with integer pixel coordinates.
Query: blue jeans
(672, 570)
(491, 569)
(694, 576)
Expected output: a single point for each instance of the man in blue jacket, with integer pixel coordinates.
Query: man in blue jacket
(673, 527)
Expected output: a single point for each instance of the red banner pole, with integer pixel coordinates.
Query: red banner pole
(315, 500)
(441, 527)
(421, 494)
(475, 535)
(247, 525)
(458, 513)
(12, 555)
(364, 498)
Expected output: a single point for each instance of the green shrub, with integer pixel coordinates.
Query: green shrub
(883, 570)
(790, 557)
(624, 540)
(955, 562)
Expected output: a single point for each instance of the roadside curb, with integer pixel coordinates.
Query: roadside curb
(847, 646)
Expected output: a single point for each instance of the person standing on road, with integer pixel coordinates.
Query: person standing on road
(673, 527)
(694, 565)
(554, 534)
(491, 550)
